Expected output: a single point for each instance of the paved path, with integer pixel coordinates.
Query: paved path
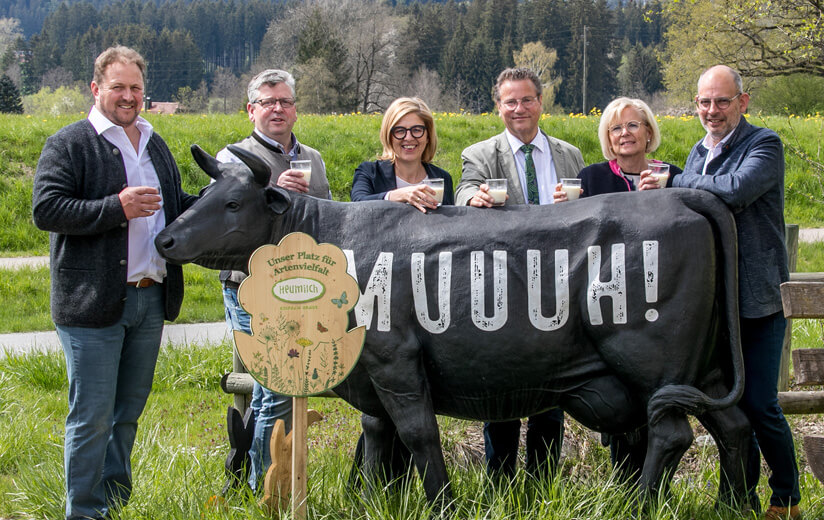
(177, 334)
(811, 235)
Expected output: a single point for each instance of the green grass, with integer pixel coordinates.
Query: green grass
(347, 140)
(181, 444)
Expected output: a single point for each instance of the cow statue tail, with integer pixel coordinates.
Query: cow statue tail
(687, 398)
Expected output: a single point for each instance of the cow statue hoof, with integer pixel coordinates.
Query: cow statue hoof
(277, 484)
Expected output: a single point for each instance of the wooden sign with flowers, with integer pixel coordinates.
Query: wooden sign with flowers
(298, 294)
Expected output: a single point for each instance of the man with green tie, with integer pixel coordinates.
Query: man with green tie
(533, 163)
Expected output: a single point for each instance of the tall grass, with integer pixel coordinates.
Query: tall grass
(182, 442)
(347, 140)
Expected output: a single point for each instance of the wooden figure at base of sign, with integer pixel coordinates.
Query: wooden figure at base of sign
(278, 480)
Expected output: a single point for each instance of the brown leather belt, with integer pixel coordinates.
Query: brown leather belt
(142, 283)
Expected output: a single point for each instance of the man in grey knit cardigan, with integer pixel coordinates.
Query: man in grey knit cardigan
(105, 187)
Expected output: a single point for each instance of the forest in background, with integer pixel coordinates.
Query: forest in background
(358, 55)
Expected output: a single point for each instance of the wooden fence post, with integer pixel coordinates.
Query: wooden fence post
(791, 243)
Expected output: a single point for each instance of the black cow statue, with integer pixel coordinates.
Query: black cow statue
(620, 309)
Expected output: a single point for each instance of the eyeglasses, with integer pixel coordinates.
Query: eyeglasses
(631, 126)
(399, 132)
(527, 102)
(722, 103)
(270, 103)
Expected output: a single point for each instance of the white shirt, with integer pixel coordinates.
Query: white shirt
(544, 168)
(713, 151)
(144, 260)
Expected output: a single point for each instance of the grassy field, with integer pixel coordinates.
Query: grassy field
(347, 140)
(181, 445)
(182, 440)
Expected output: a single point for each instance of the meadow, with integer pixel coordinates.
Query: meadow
(347, 140)
(182, 441)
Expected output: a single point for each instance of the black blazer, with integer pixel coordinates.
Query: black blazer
(75, 198)
(373, 179)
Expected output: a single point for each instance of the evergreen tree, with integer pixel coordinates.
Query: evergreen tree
(10, 100)
(600, 50)
(639, 74)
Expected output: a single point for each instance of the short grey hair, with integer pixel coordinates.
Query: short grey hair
(516, 74)
(269, 77)
(736, 77)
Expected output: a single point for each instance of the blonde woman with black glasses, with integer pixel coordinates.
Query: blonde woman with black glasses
(400, 173)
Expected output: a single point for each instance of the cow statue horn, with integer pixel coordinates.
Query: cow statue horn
(206, 162)
(259, 169)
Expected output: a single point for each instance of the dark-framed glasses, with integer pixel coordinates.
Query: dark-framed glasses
(399, 132)
(270, 103)
(631, 126)
(526, 102)
(722, 103)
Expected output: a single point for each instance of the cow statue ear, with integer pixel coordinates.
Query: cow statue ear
(259, 168)
(207, 163)
(278, 200)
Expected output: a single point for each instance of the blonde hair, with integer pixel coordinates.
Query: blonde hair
(396, 111)
(613, 112)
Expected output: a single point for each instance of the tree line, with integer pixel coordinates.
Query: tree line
(358, 55)
(349, 55)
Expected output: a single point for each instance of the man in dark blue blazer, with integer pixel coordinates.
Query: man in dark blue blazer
(104, 187)
(744, 166)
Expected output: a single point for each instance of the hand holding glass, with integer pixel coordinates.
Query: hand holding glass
(497, 190)
(572, 188)
(660, 172)
(305, 167)
(437, 185)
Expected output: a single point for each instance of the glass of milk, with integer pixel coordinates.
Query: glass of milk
(660, 172)
(572, 188)
(497, 190)
(437, 185)
(304, 167)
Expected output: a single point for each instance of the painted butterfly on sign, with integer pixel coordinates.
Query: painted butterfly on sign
(340, 301)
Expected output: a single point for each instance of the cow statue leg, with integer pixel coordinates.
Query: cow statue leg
(670, 436)
(732, 433)
(383, 454)
(400, 382)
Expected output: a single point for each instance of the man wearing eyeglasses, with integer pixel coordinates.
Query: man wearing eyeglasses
(272, 109)
(744, 166)
(533, 163)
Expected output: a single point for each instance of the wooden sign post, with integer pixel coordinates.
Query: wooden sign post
(299, 296)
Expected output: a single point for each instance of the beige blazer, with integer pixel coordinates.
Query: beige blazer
(493, 159)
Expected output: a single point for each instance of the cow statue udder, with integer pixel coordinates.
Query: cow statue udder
(620, 309)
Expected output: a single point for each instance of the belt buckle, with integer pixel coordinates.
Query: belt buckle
(142, 283)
